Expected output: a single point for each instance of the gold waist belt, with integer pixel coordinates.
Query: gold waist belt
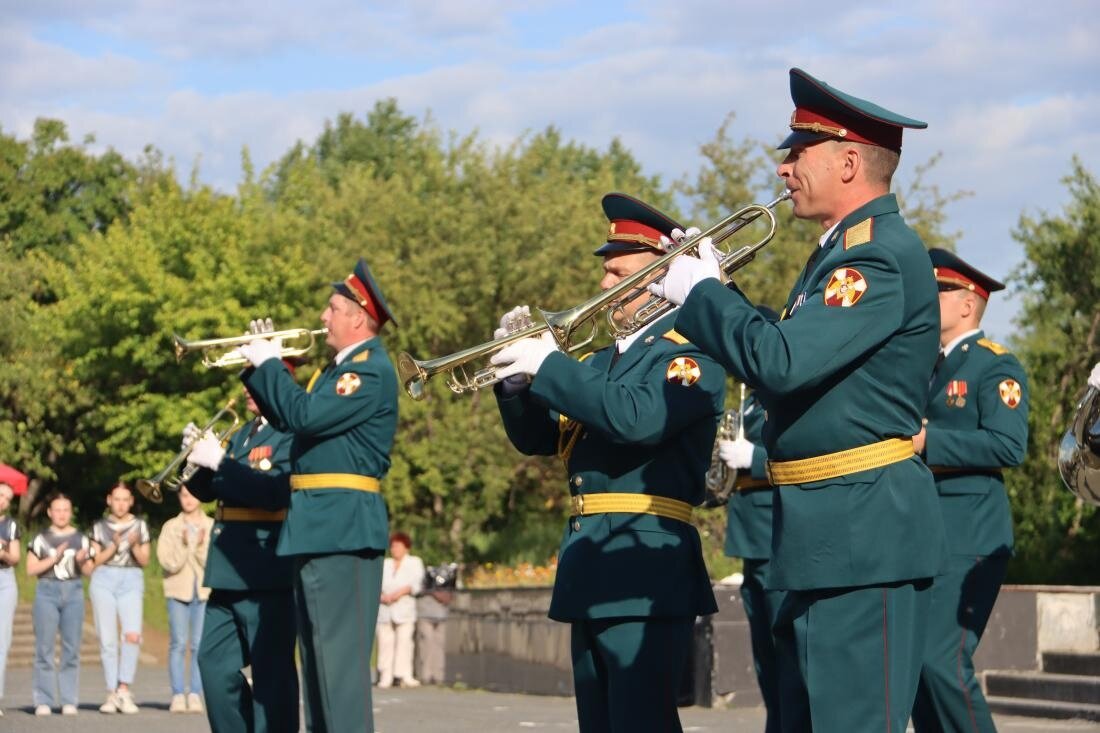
(748, 483)
(300, 481)
(584, 504)
(245, 514)
(841, 463)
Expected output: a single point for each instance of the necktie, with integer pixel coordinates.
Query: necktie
(939, 362)
(256, 425)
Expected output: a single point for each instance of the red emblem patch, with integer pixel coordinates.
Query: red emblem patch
(683, 370)
(1011, 392)
(347, 384)
(845, 288)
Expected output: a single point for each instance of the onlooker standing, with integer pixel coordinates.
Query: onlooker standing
(431, 627)
(181, 549)
(58, 555)
(402, 578)
(121, 542)
(9, 558)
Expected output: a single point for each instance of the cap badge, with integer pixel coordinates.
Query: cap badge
(846, 286)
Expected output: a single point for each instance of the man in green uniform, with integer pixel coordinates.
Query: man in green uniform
(857, 535)
(749, 537)
(337, 529)
(634, 424)
(975, 426)
(249, 618)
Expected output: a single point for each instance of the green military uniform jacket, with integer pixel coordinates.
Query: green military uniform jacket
(847, 366)
(749, 517)
(343, 423)
(254, 474)
(633, 429)
(977, 425)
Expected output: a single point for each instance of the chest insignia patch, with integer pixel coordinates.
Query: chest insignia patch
(347, 384)
(846, 286)
(956, 393)
(1011, 392)
(684, 371)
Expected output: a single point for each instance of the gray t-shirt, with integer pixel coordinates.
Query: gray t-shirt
(103, 532)
(48, 543)
(9, 533)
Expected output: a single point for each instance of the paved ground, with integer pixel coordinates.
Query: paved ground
(424, 710)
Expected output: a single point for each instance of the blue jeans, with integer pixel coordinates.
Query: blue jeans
(184, 624)
(116, 595)
(8, 596)
(58, 605)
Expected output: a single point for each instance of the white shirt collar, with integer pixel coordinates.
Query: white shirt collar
(828, 233)
(958, 340)
(624, 343)
(344, 352)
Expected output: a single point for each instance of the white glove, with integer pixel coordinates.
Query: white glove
(678, 237)
(261, 325)
(207, 452)
(191, 433)
(686, 272)
(1094, 377)
(737, 454)
(524, 356)
(260, 350)
(514, 320)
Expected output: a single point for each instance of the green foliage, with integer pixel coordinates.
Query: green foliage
(1059, 341)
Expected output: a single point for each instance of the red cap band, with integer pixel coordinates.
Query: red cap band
(953, 277)
(627, 230)
(358, 287)
(858, 130)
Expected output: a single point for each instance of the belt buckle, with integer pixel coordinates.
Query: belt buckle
(577, 502)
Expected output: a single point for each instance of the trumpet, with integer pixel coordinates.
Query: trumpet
(223, 353)
(150, 488)
(720, 479)
(575, 328)
(1079, 450)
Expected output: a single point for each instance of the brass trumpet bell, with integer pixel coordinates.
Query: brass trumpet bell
(1079, 450)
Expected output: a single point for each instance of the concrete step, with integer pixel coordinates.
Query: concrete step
(1043, 709)
(1067, 688)
(1081, 663)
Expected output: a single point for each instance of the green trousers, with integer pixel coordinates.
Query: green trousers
(249, 628)
(626, 673)
(849, 658)
(950, 697)
(760, 607)
(336, 605)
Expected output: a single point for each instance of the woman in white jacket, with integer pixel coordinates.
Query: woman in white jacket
(402, 579)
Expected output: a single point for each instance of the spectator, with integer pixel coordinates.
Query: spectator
(58, 555)
(121, 545)
(402, 577)
(181, 549)
(9, 558)
(431, 623)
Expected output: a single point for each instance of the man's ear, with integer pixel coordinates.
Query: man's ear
(851, 163)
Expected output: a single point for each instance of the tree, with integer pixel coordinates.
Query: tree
(1057, 535)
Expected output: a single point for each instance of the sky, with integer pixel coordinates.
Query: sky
(1010, 89)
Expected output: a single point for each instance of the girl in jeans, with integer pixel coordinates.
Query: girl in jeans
(9, 558)
(58, 555)
(121, 543)
(181, 550)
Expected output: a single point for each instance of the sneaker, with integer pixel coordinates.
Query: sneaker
(385, 682)
(410, 682)
(42, 710)
(125, 702)
(68, 709)
(111, 705)
(194, 703)
(178, 704)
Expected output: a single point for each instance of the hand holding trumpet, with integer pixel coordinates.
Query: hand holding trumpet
(261, 349)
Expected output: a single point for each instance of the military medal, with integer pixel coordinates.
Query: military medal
(260, 457)
(846, 286)
(347, 384)
(683, 370)
(1011, 392)
(956, 393)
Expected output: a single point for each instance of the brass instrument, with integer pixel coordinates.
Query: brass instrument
(222, 352)
(720, 479)
(1079, 450)
(612, 303)
(150, 488)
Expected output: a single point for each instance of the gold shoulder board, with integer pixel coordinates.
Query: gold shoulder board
(361, 356)
(858, 234)
(994, 347)
(675, 337)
